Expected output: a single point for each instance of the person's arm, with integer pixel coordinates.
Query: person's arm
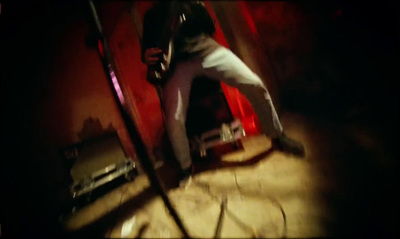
(151, 33)
(199, 21)
(146, 40)
(205, 21)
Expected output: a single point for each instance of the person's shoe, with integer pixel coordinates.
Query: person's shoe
(288, 145)
(186, 175)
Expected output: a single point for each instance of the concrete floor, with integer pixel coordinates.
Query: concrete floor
(344, 187)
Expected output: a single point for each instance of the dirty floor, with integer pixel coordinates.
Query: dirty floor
(343, 187)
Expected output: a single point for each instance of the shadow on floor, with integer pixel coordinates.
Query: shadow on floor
(168, 175)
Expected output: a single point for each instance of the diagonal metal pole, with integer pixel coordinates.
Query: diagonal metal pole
(127, 116)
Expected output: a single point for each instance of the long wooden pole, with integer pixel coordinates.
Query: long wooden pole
(127, 116)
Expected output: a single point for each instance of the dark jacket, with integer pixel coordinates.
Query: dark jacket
(198, 23)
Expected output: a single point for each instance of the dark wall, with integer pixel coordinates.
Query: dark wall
(51, 85)
(25, 46)
(338, 62)
(332, 57)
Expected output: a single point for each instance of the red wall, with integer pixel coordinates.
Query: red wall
(285, 32)
(76, 90)
(124, 43)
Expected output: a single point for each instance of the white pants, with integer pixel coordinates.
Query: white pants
(221, 65)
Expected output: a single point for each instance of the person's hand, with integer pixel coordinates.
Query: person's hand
(150, 56)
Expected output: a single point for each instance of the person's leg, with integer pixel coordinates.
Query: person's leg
(225, 66)
(175, 100)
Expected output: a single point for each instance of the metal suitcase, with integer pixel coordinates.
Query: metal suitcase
(96, 162)
(209, 120)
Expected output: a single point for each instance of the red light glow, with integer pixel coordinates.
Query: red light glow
(101, 48)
